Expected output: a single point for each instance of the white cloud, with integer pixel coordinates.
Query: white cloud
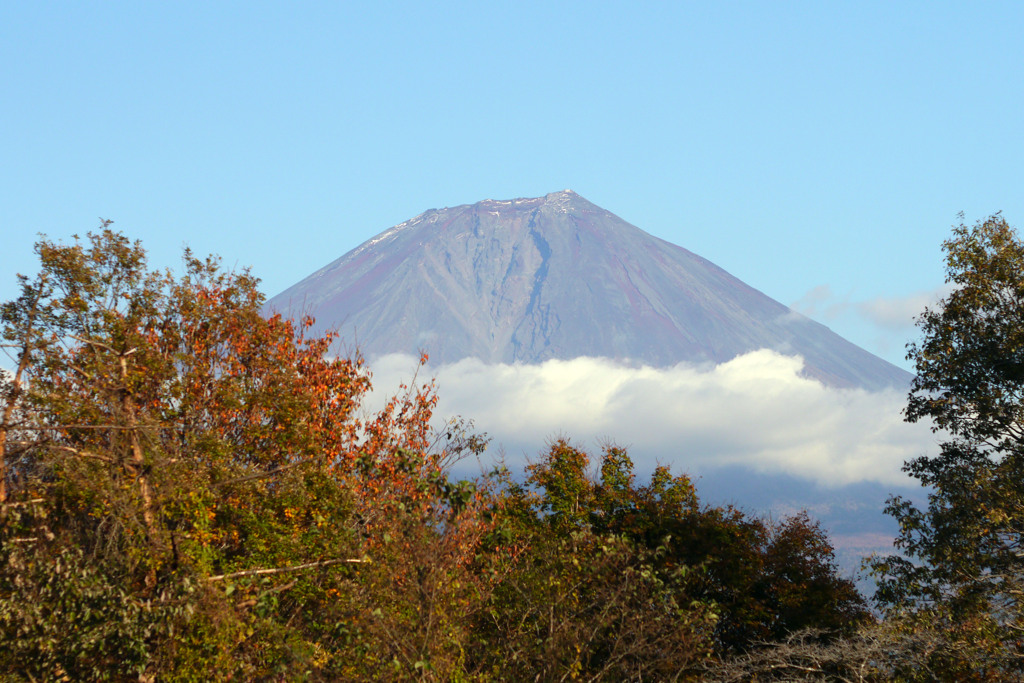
(755, 411)
(821, 303)
(898, 313)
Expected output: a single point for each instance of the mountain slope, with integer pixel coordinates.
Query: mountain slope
(527, 280)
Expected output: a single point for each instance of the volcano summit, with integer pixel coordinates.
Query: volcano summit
(527, 280)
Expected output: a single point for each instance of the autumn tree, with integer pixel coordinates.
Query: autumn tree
(191, 484)
(962, 574)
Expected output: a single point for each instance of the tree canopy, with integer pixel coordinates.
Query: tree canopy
(191, 490)
(963, 574)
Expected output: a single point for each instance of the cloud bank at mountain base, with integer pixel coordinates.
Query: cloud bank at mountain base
(756, 412)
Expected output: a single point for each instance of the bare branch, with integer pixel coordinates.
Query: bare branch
(262, 475)
(108, 347)
(281, 570)
(83, 454)
(23, 503)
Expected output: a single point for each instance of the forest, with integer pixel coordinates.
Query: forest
(192, 491)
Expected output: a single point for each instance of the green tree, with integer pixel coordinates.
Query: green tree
(582, 601)
(963, 570)
(765, 580)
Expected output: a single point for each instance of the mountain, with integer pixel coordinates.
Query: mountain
(527, 280)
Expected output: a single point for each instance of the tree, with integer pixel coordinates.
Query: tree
(750, 581)
(581, 601)
(964, 570)
(187, 481)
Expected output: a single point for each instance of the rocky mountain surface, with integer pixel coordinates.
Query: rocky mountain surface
(526, 280)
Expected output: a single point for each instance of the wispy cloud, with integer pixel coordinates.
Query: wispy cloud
(881, 325)
(898, 313)
(895, 313)
(755, 411)
(821, 303)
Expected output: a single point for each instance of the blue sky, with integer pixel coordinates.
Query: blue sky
(818, 151)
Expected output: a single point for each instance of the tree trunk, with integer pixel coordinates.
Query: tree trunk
(138, 466)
